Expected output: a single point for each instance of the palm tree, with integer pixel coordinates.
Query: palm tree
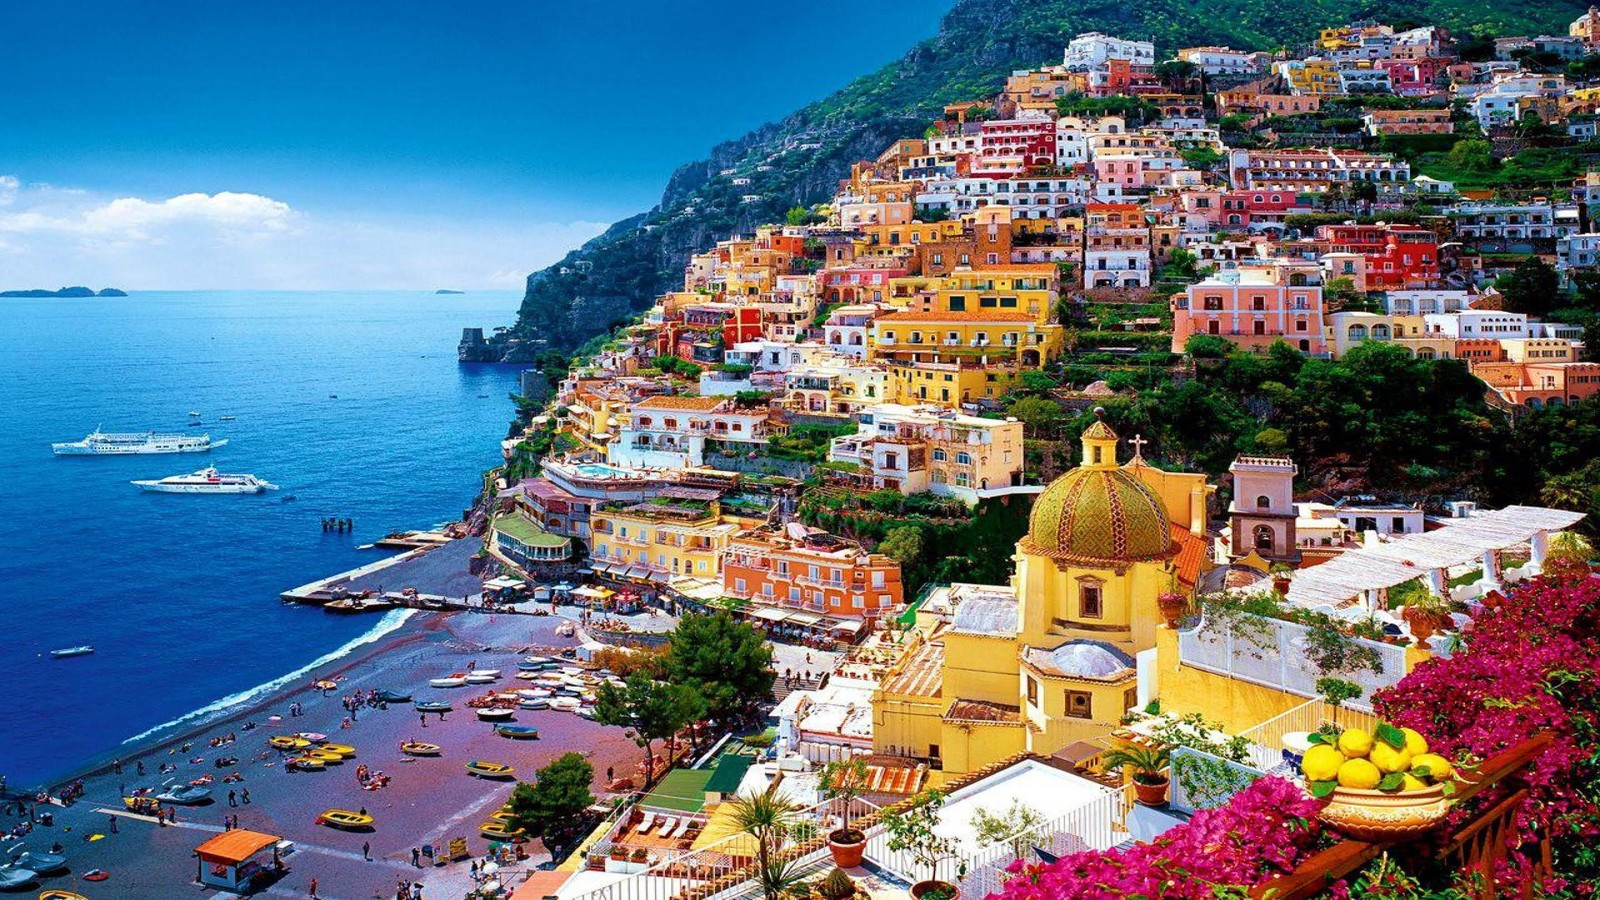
(769, 820)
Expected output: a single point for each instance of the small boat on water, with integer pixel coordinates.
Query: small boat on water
(433, 706)
(207, 481)
(69, 652)
(419, 748)
(520, 732)
(187, 795)
(193, 414)
(492, 714)
(228, 418)
(486, 769)
(394, 697)
(346, 820)
(453, 680)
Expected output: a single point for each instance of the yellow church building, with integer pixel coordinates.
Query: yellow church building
(1052, 658)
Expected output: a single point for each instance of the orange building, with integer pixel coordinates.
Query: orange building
(815, 572)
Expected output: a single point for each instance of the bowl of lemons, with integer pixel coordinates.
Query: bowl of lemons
(1379, 785)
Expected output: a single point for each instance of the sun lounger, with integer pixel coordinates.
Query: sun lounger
(646, 823)
(682, 827)
(670, 823)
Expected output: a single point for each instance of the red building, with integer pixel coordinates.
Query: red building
(1034, 140)
(1242, 209)
(1399, 257)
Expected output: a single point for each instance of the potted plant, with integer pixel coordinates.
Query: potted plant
(1280, 578)
(836, 885)
(769, 820)
(1426, 615)
(842, 783)
(1145, 765)
(911, 829)
(1172, 606)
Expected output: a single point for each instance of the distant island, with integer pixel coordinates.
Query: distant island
(448, 291)
(66, 292)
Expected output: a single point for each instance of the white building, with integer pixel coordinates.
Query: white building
(1225, 60)
(1423, 303)
(1091, 51)
(1473, 323)
(1577, 251)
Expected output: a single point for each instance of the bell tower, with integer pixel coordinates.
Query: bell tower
(1262, 512)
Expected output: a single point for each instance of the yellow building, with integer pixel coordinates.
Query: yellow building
(1029, 288)
(665, 538)
(1051, 659)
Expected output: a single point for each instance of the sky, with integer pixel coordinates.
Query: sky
(354, 144)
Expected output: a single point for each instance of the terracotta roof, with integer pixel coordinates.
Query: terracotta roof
(235, 846)
(975, 315)
(982, 711)
(1191, 554)
(895, 777)
(694, 404)
(541, 884)
(922, 674)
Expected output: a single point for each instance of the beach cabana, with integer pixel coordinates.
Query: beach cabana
(235, 860)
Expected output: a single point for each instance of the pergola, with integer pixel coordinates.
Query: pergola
(1361, 576)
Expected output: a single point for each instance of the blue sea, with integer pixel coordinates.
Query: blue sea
(352, 402)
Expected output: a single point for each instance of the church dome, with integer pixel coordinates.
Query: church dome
(1099, 514)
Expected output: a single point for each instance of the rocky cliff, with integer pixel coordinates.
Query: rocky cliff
(800, 160)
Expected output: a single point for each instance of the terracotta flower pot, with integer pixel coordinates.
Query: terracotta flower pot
(1152, 793)
(940, 888)
(1379, 816)
(846, 854)
(1172, 607)
(1424, 624)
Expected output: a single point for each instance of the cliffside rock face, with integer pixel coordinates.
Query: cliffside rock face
(800, 160)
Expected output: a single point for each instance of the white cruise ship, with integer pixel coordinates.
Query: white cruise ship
(99, 443)
(207, 481)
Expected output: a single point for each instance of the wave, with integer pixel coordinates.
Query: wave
(390, 623)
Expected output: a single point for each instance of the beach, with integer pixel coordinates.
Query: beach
(427, 802)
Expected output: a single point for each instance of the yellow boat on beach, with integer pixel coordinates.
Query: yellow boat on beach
(58, 894)
(498, 830)
(484, 769)
(327, 756)
(289, 742)
(341, 749)
(419, 748)
(144, 806)
(344, 818)
(305, 763)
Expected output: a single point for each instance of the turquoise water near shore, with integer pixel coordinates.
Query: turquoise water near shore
(352, 402)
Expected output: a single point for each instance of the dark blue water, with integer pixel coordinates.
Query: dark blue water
(180, 593)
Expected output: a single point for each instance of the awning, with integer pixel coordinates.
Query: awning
(234, 847)
(804, 618)
(770, 614)
(593, 593)
(850, 625)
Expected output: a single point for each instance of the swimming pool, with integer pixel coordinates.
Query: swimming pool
(600, 470)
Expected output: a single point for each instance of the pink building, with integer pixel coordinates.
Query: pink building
(1253, 306)
(1030, 141)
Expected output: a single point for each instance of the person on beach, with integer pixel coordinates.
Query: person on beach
(366, 850)
(416, 857)
(139, 768)
(313, 893)
(233, 798)
(424, 718)
(246, 796)
(112, 823)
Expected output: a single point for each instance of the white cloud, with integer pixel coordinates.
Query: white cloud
(51, 236)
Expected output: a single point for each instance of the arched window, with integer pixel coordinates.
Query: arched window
(964, 458)
(1264, 538)
(1263, 502)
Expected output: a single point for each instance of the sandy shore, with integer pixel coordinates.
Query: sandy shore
(427, 802)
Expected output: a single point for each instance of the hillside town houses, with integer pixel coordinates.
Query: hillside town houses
(748, 443)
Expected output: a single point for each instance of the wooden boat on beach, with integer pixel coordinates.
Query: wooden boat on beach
(288, 742)
(501, 830)
(483, 677)
(327, 757)
(41, 863)
(518, 732)
(188, 795)
(534, 703)
(485, 769)
(59, 894)
(419, 748)
(341, 749)
(305, 764)
(495, 714)
(432, 706)
(453, 680)
(394, 697)
(13, 878)
(346, 820)
(144, 806)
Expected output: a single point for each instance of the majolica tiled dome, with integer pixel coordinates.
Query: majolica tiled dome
(1099, 514)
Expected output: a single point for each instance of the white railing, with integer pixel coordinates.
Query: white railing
(1266, 747)
(1095, 825)
(1272, 653)
(1200, 780)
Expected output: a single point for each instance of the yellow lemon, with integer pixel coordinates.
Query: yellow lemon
(1439, 768)
(1358, 773)
(1412, 783)
(1321, 763)
(1388, 759)
(1415, 743)
(1355, 743)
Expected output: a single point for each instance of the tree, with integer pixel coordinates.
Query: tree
(552, 807)
(796, 215)
(1042, 418)
(655, 710)
(770, 820)
(1531, 287)
(1206, 346)
(727, 661)
(1472, 156)
(902, 544)
(843, 781)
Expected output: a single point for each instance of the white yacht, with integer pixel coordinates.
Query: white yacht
(99, 443)
(207, 481)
